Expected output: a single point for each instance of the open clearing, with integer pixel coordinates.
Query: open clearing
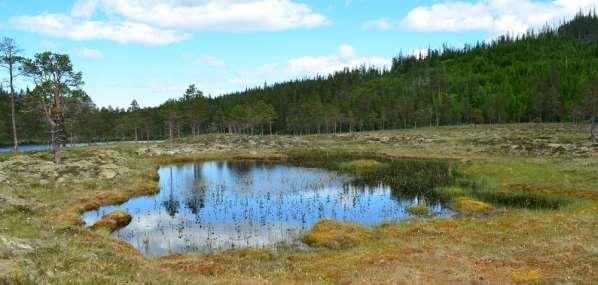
(537, 224)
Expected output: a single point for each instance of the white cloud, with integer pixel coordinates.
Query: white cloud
(453, 16)
(324, 65)
(210, 15)
(90, 53)
(84, 9)
(347, 52)
(494, 16)
(63, 26)
(169, 21)
(306, 66)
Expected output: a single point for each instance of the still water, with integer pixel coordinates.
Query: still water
(213, 206)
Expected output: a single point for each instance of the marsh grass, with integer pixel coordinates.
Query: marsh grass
(431, 179)
(521, 198)
(361, 166)
(408, 178)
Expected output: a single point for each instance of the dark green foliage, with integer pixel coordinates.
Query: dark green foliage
(582, 28)
(5, 118)
(524, 200)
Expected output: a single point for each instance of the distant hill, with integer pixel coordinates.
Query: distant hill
(540, 76)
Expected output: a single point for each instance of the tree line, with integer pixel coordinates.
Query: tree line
(549, 75)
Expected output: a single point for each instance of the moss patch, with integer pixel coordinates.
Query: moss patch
(418, 210)
(336, 235)
(113, 221)
(470, 206)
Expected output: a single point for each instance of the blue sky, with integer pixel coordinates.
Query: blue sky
(150, 50)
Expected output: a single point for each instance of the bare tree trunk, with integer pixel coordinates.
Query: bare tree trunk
(13, 112)
(54, 137)
(55, 146)
(60, 137)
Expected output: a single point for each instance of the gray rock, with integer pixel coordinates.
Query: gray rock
(12, 246)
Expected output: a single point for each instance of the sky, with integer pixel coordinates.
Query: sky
(151, 50)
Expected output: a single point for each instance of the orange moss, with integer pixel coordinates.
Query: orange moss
(387, 258)
(113, 221)
(388, 230)
(526, 276)
(336, 235)
(215, 264)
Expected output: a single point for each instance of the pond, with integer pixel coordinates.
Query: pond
(220, 205)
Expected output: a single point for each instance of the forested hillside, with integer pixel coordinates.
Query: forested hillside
(542, 76)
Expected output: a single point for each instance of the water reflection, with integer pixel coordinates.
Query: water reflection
(220, 205)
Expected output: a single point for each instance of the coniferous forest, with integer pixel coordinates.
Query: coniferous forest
(544, 76)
